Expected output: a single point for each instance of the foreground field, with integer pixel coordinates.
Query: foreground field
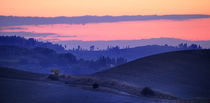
(36, 88)
(26, 91)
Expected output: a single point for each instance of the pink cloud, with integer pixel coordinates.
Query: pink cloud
(196, 29)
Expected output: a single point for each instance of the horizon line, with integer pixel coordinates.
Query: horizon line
(103, 15)
(122, 39)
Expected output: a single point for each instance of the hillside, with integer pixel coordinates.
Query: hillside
(38, 59)
(131, 43)
(130, 53)
(41, 60)
(19, 74)
(114, 49)
(29, 43)
(26, 87)
(34, 87)
(181, 73)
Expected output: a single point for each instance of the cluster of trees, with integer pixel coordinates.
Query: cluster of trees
(19, 52)
(29, 43)
(43, 58)
(192, 46)
(93, 48)
(117, 48)
(110, 62)
(130, 53)
(67, 59)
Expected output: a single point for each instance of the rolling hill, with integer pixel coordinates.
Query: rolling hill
(18, 86)
(181, 73)
(42, 60)
(128, 53)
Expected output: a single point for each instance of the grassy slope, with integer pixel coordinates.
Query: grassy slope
(181, 73)
(19, 74)
(25, 87)
(20, 87)
(22, 91)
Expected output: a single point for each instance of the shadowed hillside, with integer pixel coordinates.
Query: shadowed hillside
(181, 73)
(132, 53)
(19, 74)
(29, 43)
(34, 87)
(41, 60)
(26, 87)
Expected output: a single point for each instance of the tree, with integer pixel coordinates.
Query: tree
(55, 75)
(199, 47)
(92, 48)
(193, 46)
(183, 45)
(146, 91)
(120, 60)
(78, 48)
(95, 85)
(66, 58)
(55, 71)
(116, 48)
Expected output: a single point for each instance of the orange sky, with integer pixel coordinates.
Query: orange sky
(195, 29)
(102, 7)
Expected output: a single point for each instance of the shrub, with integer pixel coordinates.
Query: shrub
(53, 77)
(146, 91)
(95, 85)
(65, 76)
(55, 71)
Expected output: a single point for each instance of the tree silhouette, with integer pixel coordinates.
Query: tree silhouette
(92, 48)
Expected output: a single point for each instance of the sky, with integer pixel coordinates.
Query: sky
(51, 8)
(189, 29)
(195, 29)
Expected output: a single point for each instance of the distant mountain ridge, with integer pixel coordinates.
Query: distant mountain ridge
(36, 56)
(29, 43)
(15, 20)
(128, 53)
(134, 48)
(131, 43)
